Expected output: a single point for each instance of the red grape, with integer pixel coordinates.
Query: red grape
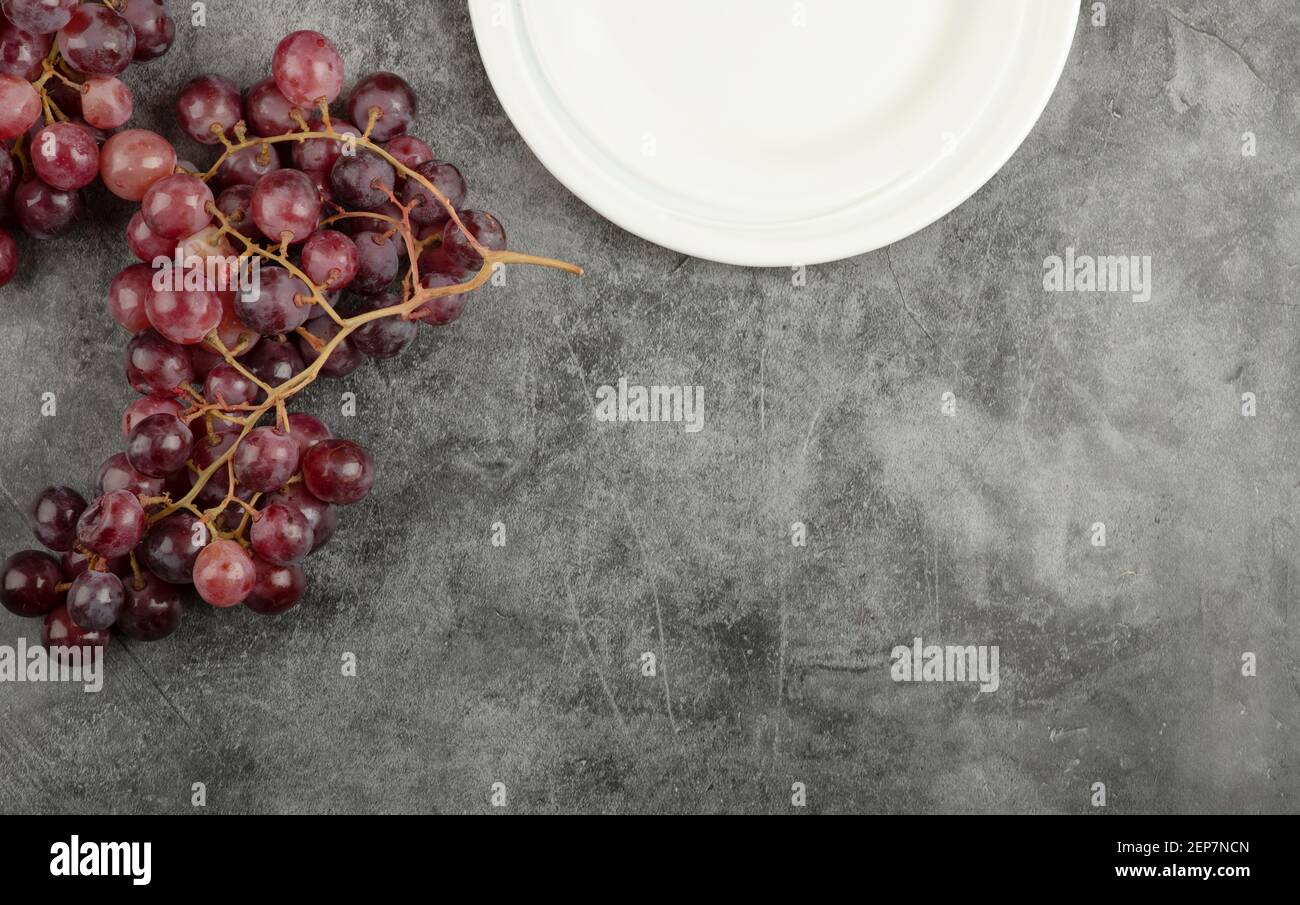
(329, 259)
(208, 101)
(274, 362)
(307, 68)
(152, 609)
(106, 103)
(338, 471)
(117, 474)
(59, 635)
(159, 445)
(8, 256)
(391, 96)
(132, 161)
(277, 588)
(286, 204)
(144, 407)
(22, 52)
(308, 430)
(113, 524)
(223, 573)
(269, 113)
(358, 181)
(172, 545)
(429, 211)
(377, 262)
(184, 316)
(227, 385)
(281, 534)
(54, 517)
(144, 243)
(65, 156)
(247, 167)
(177, 206)
(484, 227)
(27, 587)
(45, 212)
(42, 17)
(318, 155)
(322, 516)
(127, 294)
(345, 357)
(272, 307)
(265, 459)
(154, 29)
(97, 41)
(20, 106)
(236, 205)
(445, 308)
(156, 366)
(387, 336)
(95, 599)
(409, 151)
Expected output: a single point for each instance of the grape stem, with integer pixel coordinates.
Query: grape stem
(414, 296)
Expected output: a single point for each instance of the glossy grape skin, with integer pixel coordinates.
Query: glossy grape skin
(54, 517)
(247, 167)
(429, 211)
(322, 516)
(176, 206)
(286, 204)
(95, 599)
(444, 309)
(144, 407)
(236, 205)
(156, 366)
(154, 29)
(356, 180)
(144, 243)
(307, 430)
(307, 68)
(22, 52)
(223, 574)
(226, 385)
(65, 156)
(276, 588)
(265, 460)
(42, 17)
(338, 471)
(27, 587)
(391, 96)
(318, 155)
(409, 151)
(113, 524)
(269, 112)
(8, 256)
(387, 336)
(329, 259)
(485, 227)
(378, 262)
(271, 309)
(107, 103)
(185, 317)
(274, 362)
(118, 474)
(97, 41)
(281, 534)
(45, 212)
(152, 609)
(20, 107)
(59, 633)
(159, 445)
(207, 101)
(132, 161)
(343, 359)
(127, 294)
(210, 251)
(172, 545)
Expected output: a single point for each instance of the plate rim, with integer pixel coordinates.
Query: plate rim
(649, 223)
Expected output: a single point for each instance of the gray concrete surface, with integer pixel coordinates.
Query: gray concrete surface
(1119, 664)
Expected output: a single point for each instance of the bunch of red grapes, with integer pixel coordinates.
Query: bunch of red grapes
(60, 99)
(357, 235)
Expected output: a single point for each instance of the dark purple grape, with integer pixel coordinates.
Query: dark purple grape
(236, 205)
(97, 41)
(159, 445)
(281, 534)
(279, 303)
(154, 29)
(113, 524)
(45, 212)
(276, 588)
(269, 113)
(429, 211)
(308, 430)
(338, 471)
(152, 609)
(116, 473)
(60, 635)
(387, 336)
(28, 586)
(357, 180)
(266, 459)
(54, 517)
(172, 545)
(95, 599)
(485, 227)
(317, 156)
(155, 366)
(227, 385)
(345, 357)
(445, 308)
(391, 96)
(247, 166)
(274, 362)
(378, 262)
(322, 516)
(207, 101)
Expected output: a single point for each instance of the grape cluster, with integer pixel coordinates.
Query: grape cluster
(61, 100)
(358, 234)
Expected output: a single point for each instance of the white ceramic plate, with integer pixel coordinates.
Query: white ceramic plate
(771, 132)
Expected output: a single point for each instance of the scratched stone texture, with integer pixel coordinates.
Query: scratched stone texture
(519, 664)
